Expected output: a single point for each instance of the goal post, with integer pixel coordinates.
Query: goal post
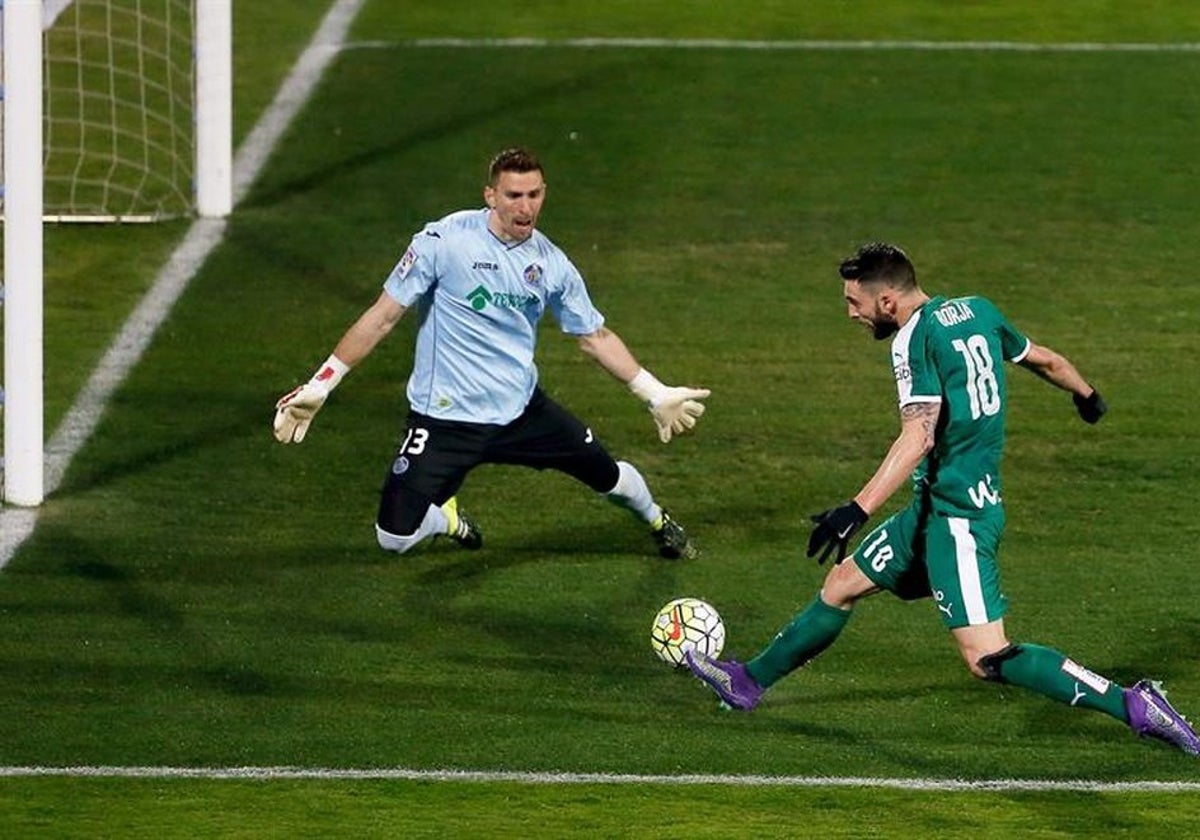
(23, 427)
(214, 107)
(113, 111)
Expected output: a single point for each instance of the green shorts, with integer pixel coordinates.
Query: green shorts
(919, 553)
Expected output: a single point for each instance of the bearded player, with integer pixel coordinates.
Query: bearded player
(948, 358)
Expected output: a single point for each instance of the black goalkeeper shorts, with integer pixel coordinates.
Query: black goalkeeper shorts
(434, 457)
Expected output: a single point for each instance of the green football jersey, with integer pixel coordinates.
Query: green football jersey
(952, 351)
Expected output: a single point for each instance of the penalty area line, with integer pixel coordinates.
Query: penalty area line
(562, 778)
(780, 46)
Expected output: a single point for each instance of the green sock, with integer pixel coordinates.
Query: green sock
(1052, 674)
(812, 630)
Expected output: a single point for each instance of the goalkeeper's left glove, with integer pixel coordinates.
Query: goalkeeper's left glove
(834, 529)
(295, 410)
(1092, 407)
(675, 409)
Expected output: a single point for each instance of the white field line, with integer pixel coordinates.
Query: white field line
(293, 93)
(16, 524)
(51, 9)
(782, 46)
(492, 777)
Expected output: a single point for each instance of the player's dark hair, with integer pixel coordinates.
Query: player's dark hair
(513, 160)
(880, 262)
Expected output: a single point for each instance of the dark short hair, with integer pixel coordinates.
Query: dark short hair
(513, 160)
(880, 262)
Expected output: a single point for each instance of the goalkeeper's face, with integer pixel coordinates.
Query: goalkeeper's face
(515, 201)
(874, 308)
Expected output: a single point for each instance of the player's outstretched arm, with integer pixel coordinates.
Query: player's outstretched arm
(833, 528)
(1058, 371)
(675, 409)
(295, 410)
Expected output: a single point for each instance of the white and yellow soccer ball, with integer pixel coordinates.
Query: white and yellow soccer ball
(686, 624)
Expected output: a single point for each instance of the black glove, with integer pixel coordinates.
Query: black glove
(1092, 407)
(834, 529)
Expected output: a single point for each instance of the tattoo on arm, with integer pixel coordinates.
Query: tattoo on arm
(926, 414)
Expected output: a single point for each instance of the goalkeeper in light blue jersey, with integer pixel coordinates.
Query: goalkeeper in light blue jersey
(478, 283)
(948, 358)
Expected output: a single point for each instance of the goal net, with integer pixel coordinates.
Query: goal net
(119, 137)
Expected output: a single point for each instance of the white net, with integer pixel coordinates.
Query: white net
(118, 109)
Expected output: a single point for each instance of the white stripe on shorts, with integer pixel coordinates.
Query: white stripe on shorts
(968, 570)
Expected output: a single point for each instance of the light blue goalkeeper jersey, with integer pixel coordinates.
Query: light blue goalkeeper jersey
(478, 301)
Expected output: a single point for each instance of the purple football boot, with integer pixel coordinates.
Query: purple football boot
(730, 680)
(1151, 716)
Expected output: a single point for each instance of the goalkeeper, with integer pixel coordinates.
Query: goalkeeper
(480, 281)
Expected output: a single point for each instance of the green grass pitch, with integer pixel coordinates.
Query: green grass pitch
(197, 596)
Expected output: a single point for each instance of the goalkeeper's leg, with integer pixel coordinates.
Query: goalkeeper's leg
(439, 520)
(547, 436)
(632, 493)
(433, 523)
(622, 484)
(417, 500)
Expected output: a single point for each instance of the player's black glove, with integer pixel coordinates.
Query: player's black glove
(834, 529)
(1092, 407)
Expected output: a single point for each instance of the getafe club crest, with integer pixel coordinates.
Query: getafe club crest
(533, 274)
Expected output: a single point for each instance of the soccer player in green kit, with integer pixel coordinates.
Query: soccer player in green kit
(947, 356)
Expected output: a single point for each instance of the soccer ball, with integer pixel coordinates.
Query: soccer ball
(686, 624)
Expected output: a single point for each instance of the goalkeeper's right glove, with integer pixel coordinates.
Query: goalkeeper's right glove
(675, 410)
(295, 410)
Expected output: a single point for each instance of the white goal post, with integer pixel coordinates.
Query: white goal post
(23, 437)
(136, 105)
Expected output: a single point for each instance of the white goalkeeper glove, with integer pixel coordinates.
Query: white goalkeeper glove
(675, 410)
(295, 410)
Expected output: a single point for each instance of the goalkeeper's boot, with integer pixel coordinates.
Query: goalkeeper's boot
(672, 540)
(461, 529)
(1151, 716)
(730, 680)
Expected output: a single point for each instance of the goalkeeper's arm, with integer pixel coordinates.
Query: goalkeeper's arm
(295, 410)
(675, 409)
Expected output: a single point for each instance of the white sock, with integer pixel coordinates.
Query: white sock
(631, 493)
(435, 522)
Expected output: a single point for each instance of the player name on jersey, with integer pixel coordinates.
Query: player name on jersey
(953, 312)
